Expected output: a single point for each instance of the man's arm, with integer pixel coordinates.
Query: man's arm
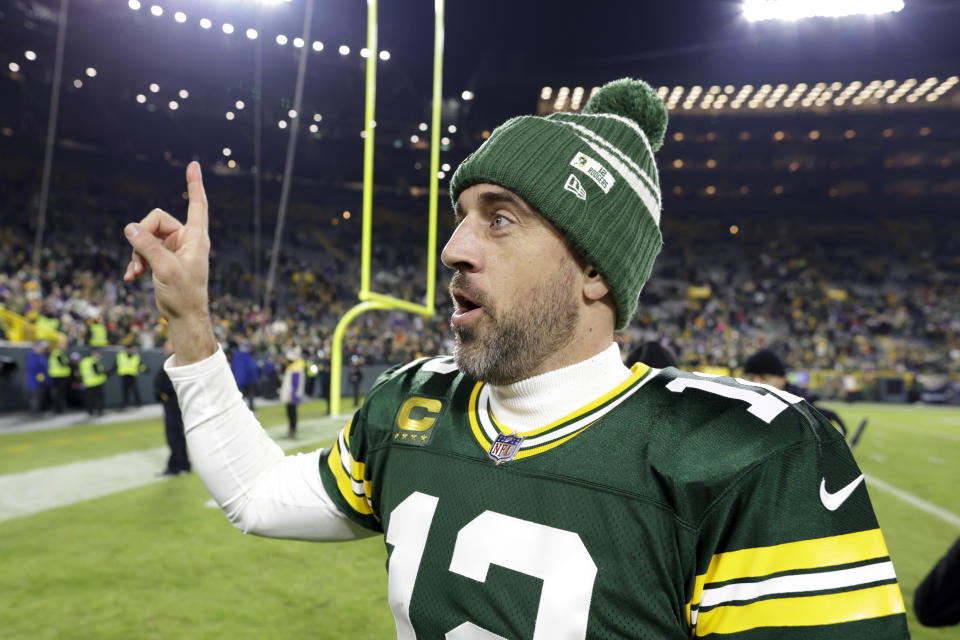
(937, 599)
(259, 489)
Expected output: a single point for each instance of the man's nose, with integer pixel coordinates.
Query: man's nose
(462, 251)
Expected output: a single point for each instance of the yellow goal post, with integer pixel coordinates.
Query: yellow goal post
(370, 300)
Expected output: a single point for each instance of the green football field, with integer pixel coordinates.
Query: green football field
(150, 558)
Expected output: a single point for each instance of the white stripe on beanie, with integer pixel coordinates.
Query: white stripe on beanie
(606, 143)
(649, 201)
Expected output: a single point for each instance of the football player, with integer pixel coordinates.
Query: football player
(531, 485)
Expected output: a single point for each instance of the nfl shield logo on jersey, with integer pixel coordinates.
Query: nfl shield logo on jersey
(505, 448)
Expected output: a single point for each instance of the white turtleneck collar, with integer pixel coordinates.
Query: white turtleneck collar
(540, 400)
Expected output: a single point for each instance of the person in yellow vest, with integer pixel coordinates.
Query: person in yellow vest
(129, 366)
(46, 326)
(58, 368)
(98, 334)
(93, 377)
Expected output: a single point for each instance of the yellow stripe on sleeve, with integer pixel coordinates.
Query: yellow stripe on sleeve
(808, 611)
(345, 486)
(805, 554)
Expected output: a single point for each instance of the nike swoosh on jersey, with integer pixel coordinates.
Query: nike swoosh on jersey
(832, 501)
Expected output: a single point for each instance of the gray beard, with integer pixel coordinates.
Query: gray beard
(516, 344)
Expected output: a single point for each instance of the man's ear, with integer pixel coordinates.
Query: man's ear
(594, 288)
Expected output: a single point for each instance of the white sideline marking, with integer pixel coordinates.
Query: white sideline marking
(947, 516)
(37, 490)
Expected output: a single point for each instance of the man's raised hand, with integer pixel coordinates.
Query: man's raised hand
(178, 255)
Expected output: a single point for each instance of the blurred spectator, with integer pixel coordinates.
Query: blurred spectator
(291, 389)
(129, 367)
(58, 366)
(246, 372)
(93, 376)
(766, 367)
(356, 377)
(163, 390)
(653, 354)
(937, 598)
(37, 381)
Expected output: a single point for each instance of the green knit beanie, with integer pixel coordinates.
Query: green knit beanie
(592, 175)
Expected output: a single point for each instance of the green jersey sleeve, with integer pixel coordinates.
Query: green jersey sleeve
(350, 469)
(792, 549)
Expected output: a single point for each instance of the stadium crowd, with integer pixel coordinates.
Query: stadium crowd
(715, 296)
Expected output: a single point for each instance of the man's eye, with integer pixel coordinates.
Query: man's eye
(499, 222)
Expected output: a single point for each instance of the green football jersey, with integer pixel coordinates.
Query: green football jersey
(677, 505)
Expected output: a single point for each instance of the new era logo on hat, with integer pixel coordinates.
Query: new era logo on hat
(573, 186)
(597, 172)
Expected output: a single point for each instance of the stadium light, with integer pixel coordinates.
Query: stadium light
(156, 10)
(282, 124)
(281, 39)
(227, 151)
(141, 98)
(154, 87)
(30, 55)
(298, 42)
(205, 23)
(227, 28)
(314, 128)
(134, 4)
(173, 105)
(292, 114)
(384, 55)
(184, 94)
(364, 52)
(317, 46)
(791, 10)
(91, 72)
(79, 83)
(252, 34)
(14, 67)
(180, 16)
(230, 115)
(467, 95)
(344, 50)
(317, 117)
(239, 105)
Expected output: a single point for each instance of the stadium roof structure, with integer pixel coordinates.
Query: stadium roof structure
(822, 98)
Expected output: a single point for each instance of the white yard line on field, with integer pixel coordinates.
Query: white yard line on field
(29, 492)
(939, 512)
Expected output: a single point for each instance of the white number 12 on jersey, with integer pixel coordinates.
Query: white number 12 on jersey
(556, 556)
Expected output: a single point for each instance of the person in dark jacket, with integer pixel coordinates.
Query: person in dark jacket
(766, 367)
(246, 372)
(172, 420)
(937, 599)
(37, 379)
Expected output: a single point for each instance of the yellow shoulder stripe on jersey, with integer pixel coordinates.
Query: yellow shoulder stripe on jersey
(804, 554)
(808, 611)
(357, 503)
(339, 460)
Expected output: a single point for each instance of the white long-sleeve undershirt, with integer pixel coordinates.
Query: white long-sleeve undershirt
(259, 488)
(265, 492)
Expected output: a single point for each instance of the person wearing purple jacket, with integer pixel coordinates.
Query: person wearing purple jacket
(245, 371)
(37, 379)
(291, 389)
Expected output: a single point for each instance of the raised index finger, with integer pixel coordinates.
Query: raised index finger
(197, 209)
